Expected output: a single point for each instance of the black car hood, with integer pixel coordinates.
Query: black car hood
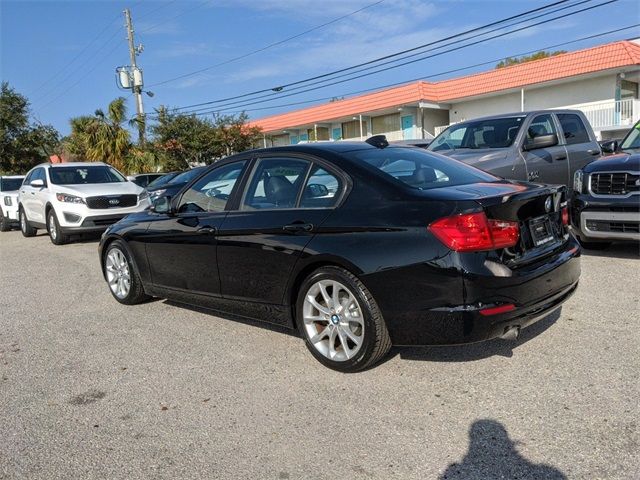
(622, 161)
(472, 156)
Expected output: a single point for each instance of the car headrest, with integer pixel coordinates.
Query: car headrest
(280, 191)
(424, 175)
(489, 137)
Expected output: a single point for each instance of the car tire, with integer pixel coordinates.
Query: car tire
(594, 245)
(334, 308)
(55, 232)
(122, 276)
(5, 226)
(25, 227)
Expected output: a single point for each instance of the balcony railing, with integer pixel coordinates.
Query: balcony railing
(612, 114)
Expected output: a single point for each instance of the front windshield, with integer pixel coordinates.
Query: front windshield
(85, 175)
(187, 176)
(164, 179)
(490, 133)
(420, 169)
(10, 184)
(632, 140)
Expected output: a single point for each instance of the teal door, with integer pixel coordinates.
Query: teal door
(336, 133)
(293, 139)
(407, 127)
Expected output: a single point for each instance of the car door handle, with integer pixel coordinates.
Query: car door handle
(561, 157)
(593, 151)
(298, 227)
(207, 230)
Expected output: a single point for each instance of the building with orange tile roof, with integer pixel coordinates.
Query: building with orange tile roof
(602, 81)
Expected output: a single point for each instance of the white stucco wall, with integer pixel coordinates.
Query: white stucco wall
(588, 90)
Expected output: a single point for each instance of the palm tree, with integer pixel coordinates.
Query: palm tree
(109, 140)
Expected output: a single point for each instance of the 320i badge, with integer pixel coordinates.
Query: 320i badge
(357, 245)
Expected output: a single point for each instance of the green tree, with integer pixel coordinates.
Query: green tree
(507, 62)
(22, 144)
(234, 135)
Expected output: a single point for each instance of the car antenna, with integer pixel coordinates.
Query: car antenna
(378, 141)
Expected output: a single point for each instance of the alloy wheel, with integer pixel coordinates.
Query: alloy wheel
(333, 320)
(23, 221)
(118, 274)
(53, 230)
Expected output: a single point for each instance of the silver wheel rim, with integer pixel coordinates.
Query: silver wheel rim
(333, 320)
(53, 231)
(23, 222)
(118, 275)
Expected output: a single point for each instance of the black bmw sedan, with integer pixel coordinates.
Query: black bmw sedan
(357, 245)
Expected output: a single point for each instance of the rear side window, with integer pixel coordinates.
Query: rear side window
(573, 128)
(321, 189)
(275, 184)
(421, 169)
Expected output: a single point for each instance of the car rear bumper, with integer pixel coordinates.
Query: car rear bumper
(535, 291)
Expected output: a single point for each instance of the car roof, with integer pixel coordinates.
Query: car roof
(336, 147)
(519, 114)
(71, 164)
(11, 176)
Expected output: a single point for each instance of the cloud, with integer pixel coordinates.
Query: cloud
(188, 49)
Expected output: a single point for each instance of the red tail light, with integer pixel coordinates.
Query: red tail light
(565, 216)
(486, 312)
(474, 232)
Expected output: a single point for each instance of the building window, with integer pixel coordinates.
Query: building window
(323, 133)
(352, 129)
(385, 123)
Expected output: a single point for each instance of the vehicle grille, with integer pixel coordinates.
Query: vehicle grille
(606, 226)
(112, 201)
(617, 183)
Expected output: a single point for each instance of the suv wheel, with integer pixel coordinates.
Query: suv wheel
(340, 321)
(122, 276)
(26, 229)
(5, 226)
(55, 233)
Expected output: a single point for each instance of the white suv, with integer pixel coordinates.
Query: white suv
(72, 198)
(9, 186)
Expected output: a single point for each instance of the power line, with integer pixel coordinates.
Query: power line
(419, 47)
(239, 104)
(86, 47)
(267, 47)
(404, 82)
(184, 12)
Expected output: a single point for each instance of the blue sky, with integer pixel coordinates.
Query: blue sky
(63, 54)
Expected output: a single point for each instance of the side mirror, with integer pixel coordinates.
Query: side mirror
(37, 183)
(609, 146)
(161, 205)
(317, 190)
(543, 141)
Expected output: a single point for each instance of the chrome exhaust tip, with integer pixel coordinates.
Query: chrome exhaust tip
(511, 333)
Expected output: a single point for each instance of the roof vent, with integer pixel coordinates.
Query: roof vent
(378, 141)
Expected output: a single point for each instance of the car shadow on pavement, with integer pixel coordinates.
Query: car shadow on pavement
(492, 454)
(476, 351)
(617, 250)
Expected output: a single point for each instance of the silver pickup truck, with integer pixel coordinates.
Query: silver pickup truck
(545, 146)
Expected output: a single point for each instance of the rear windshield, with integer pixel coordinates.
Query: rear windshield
(188, 175)
(10, 184)
(420, 169)
(162, 180)
(84, 175)
(491, 133)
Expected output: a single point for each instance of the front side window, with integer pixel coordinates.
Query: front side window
(540, 126)
(85, 175)
(573, 128)
(212, 191)
(321, 190)
(420, 169)
(632, 140)
(489, 133)
(275, 184)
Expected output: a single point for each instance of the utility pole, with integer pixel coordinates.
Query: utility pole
(136, 84)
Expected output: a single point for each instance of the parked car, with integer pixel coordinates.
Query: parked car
(545, 146)
(629, 144)
(144, 179)
(9, 186)
(164, 179)
(74, 198)
(606, 198)
(173, 186)
(357, 245)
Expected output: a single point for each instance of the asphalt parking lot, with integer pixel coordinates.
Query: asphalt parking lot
(90, 388)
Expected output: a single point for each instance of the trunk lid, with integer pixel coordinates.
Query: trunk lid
(536, 208)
